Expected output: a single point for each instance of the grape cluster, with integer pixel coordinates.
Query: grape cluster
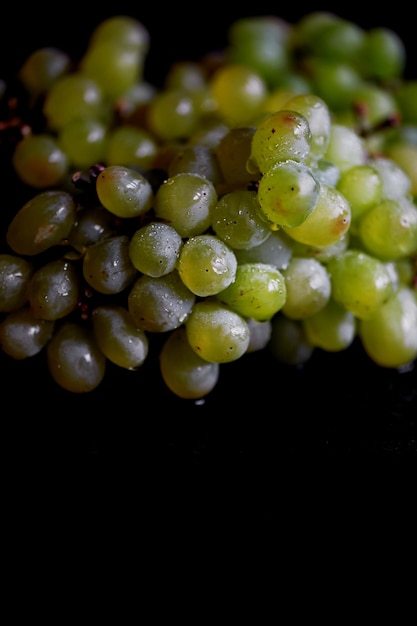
(261, 198)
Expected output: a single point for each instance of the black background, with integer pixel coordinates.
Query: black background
(262, 418)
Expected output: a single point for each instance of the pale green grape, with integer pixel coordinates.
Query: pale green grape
(154, 249)
(184, 372)
(345, 148)
(382, 54)
(390, 337)
(131, 146)
(217, 333)
(70, 96)
(124, 191)
(118, 337)
(308, 288)
(332, 328)
(362, 187)
(335, 82)
(23, 335)
(276, 250)
(172, 114)
(235, 219)
(40, 161)
(206, 265)
(160, 304)
(42, 222)
(318, 116)
(360, 282)
(288, 193)
(84, 141)
(54, 289)
(185, 202)
(15, 273)
(405, 156)
(74, 359)
(122, 30)
(289, 343)
(395, 182)
(107, 267)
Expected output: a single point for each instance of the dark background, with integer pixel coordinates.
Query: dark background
(262, 419)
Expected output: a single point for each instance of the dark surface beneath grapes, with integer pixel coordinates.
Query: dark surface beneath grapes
(261, 414)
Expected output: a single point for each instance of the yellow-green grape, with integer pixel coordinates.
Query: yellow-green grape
(122, 30)
(338, 40)
(362, 187)
(42, 222)
(360, 282)
(288, 193)
(335, 82)
(74, 359)
(107, 267)
(92, 224)
(233, 152)
(328, 222)
(346, 148)
(395, 182)
(54, 289)
(40, 161)
(184, 372)
(172, 114)
(42, 68)
(288, 342)
(405, 156)
(124, 191)
(390, 337)
(84, 141)
(308, 288)
(382, 55)
(389, 229)
(282, 136)
(217, 333)
(160, 304)
(332, 329)
(206, 265)
(258, 291)
(70, 96)
(118, 337)
(15, 273)
(131, 146)
(238, 93)
(276, 250)
(318, 116)
(185, 201)
(236, 219)
(23, 335)
(154, 249)
(260, 334)
(197, 159)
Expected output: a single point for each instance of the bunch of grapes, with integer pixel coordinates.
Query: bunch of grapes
(261, 198)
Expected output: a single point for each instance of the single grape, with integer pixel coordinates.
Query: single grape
(289, 343)
(154, 249)
(54, 289)
(107, 267)
(15, 273)
(70, 96)
(40, 161)
(124, 191)
(308, 288)
(22, 335)
(332, 328)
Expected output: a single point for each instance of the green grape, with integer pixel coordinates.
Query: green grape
(345, 148)
(42, 68)
(308, 288)
(118, 337)
(235, 219)
(328, 222)
(282, 136)
(154, 249)
(406, 96)
(405, 156)
(288, 193)
(338, 40)
(276, 250)
(188, 75)
(185, 202)
(360, 282)
(258, 291)
(196, 159)
(217, 333)
(395, 182)
(238, 93)
(318, 116)
(84, 141)
(22, 335)
(321, 253)
(389, 229)
(233, 152)
(184, 372)
(335, 82)
(42, 222)
(288, 342)
(172, 114)
(123, 31)
(39, 161)
(107, 267)
(160, 304)
(390, 337)
(123, 191)
(361, 185)
(374, 105)
(54, 289)
(15, 273)
(206, 265)
(325, 172)
(74, 359)
(332, 328)
(260, 334)
(70, 96)
(382, 55)
(92, 224)
(130, 146)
